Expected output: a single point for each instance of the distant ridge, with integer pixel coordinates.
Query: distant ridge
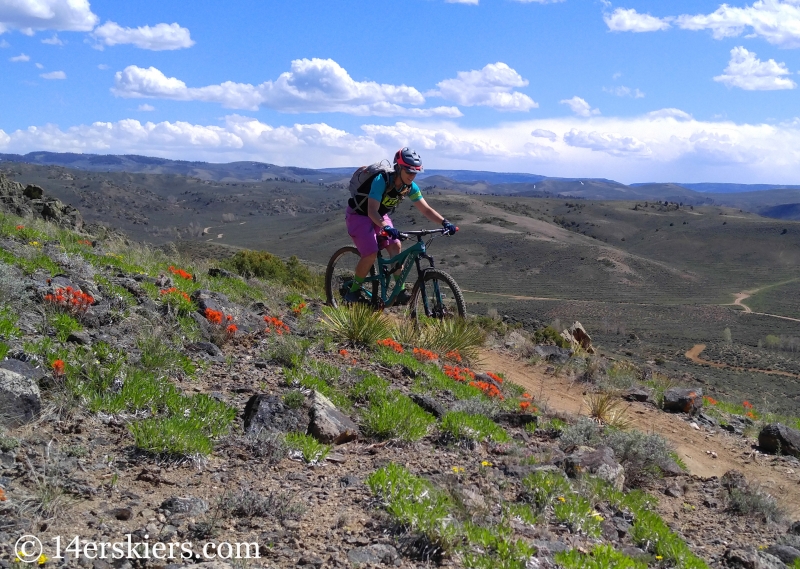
(722, 188)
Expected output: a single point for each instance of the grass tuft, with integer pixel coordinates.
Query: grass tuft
(357, 324)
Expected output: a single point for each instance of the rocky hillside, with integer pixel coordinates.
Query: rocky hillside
(157, 411)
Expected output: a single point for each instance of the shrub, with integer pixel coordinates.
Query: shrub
(178, 302)
(550, 335)
(397, 417)
(371, 388)
(452, 335)
(584, 432)
(463, 426)
(750, 500)
(608, 409)
(4, 349)
(294, 399)
(269, 267)
(650, 531)
(641, 454)
(8, 324)
(542, 488)
(64, 325)
(287, 351)
(311, 450)
(357, 324)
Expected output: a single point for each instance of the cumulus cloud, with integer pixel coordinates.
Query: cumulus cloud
(312, 85)
(623, 91)
(146, 108)
(473, 2)
(611, 143)
(493, 86)
(160, 37)
(54, 40)
(62, 15)
(19, 58)
(39, 66)
(4, 139)
(53, 75)
(580, 107)
(669, 114)
(629, 20)
(544, 133)
(748, 72)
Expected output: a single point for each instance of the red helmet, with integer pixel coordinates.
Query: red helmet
(408, 160)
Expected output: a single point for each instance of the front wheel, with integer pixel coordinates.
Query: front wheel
(339, 277)
(436, 295)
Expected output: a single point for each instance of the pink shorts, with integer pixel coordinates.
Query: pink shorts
(364, 233)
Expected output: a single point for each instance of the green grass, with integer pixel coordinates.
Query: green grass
(543, 488)
(112, 290)
(64, 325)
(463, 426)
(650, 532)
(30, 265)
(327, 386)
(177, 304)
(578, 514)
(370, 388)
(434, 380)
(396, 417)
(600, 557)
(4, 349)
(357, 325)
(311, 450)
(8, 324)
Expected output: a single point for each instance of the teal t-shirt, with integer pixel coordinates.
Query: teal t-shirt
(392, 198)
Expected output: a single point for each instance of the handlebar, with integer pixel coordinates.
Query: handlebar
(419, 234)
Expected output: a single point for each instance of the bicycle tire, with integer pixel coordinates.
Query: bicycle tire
(339, 271)
(441, 308)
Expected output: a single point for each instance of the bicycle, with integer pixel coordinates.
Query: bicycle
(435, 294)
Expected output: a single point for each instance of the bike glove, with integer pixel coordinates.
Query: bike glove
(391, 232)
(449, 227)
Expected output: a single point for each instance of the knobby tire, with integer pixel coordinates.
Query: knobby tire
(332, 293)
(428, 276)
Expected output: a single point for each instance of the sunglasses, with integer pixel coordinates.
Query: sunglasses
(411, 171)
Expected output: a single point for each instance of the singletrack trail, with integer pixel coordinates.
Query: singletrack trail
(565, 395)
(694, 356)
(745, 294)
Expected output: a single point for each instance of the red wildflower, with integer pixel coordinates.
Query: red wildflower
(488, 388)
(526, 396)
(747, 405)
(58, 367)
(454, 355)
(231, 329)
(73, 300)
(299, 308)
(180, 272)
(389, 343)
(213, 316)
(710, 400)
(277, 324)
(19, 227)
(423, 354)
(458, 373)
(523, 405)
(2, 495)
(343, 353)
(751, 415)
(176, 291)
(495, 377)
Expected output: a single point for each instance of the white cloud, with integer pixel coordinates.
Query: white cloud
(4, 44)
(544, 133)
(623, 91)
(629, 20)
(20, 57)
(580, 107)
(4, 139)
(39, 66)
(491, 86)
(53, 75)
(539, 1)
(61, 15)
(748, 72)
(102, 66)
(160, 37)
(649, 147)
(313, 85)
(611, 143)
(146, 108)
(473, 2)
(55, 40)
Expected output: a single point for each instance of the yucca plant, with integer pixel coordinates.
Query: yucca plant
(357, 324)
(452, 335)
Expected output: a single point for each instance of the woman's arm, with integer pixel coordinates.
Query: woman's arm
(428, 211)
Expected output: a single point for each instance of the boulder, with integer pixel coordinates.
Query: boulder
(552, 353)
(600, 462)
(785, 553)
(33, 192)
(35, 374)
(778, 438)
(515, 419)
(329, 425)
(20, 400)
(375, 554)
(268, 413)
(429, 404)
(640, 394)
(683, 400)
(752, 559)
(185, 505)
(578, 337)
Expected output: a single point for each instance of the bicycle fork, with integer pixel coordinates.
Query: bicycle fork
(437, 294)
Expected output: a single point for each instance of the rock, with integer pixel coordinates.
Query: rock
(185, 505)
(795, 528)
(207, 299)
(515, 341)
(212, 565)
(682, 400)
(579, 335)
(268, 413)
(329, 425)
(733, 480)
(552, 353)
(429, 404)
(640, 394)
(20, 399)
(516, 419)
(778, 438)
(80, 337)
(752, 559)
(600, 463)
(35, 374)
(375, 553)
(205, 347)
(33, 192)
(217, 272)
(673, 491)
(785, 553)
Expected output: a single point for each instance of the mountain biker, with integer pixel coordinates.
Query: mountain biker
(367, 218)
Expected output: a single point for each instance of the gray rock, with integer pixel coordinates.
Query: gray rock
(375, 553)
(205, 347)
(601, 463)
(785, 553)
(268, 413)
(553, 354)
(429, 404)
(733, 480)
(329, 425)
(776, 437)
(795, 528)
(516, 419)
(750, 559)
(23, 368)
(217, 272)
(212, 565)
(185, 505)
(640, 394)
(683, 400)
(80, 337)
(20, 399)
(33, 192)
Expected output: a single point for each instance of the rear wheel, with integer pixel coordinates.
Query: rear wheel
(436, 295)
(339, 277)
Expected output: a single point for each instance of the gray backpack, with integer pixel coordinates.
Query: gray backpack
(361, 182)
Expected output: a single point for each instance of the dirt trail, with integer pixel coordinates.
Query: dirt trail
(691, 444)
(745, 294)
(741, 297)
(694, 356)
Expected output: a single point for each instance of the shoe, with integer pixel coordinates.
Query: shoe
(353, 296)
(403, 298)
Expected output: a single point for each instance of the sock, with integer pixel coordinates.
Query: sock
(396, 279)
(357, 282)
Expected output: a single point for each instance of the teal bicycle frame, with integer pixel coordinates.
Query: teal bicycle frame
(408, 259)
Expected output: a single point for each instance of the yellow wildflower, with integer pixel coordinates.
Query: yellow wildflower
(458, 469)
(561, 499)
(486, 463)
(659, 557)
(42, 559)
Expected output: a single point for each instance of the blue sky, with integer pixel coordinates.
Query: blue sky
(634, 91)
